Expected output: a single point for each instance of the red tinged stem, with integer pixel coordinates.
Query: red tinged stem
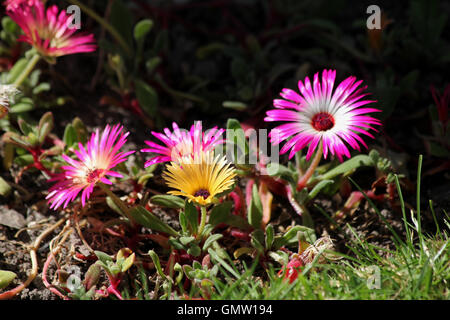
(45, 281)
(302, 183)
(237, 203)
(114, 291)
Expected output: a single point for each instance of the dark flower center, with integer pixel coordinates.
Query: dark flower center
(93, 175)
(202, 192)
(322, 121)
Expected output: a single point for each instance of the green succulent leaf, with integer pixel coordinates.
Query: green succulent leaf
(103, 257)
(186, 240)
(183, 222)
(168, 201)
(128, 262)
(92, 276)
(290, 237)
(255, 213)
(70, 135)
(348, 166)
(257, 240)
(157, 263)
(45, 126)
(6, 277)
(236, 139)
(211, 239)
(194, 250)
(5, 188)
(188, 271)
(191, 214)
(221, 213)
(148, 220)
(269, 236)
(142, 28)
(24, 127)
(278, 170)
(17, 69)
(318, 187)
(147, 97)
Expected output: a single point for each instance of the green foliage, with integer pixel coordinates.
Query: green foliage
(6, 277)
(114, 268)
(221, 213)
(169, 201)
(255, 211)
(149, 220)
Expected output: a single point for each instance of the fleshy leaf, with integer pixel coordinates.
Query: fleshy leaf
(142, 28)
(92, 276)
(191, 214)
(148, 220)
(210, 240)
(269, 236)
(221, 213)
(168, 201)
(6, 277)
(349, 165)
(255, 213)
(157, 264)
(317, 188)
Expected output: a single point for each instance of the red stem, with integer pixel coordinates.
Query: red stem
(44, 278)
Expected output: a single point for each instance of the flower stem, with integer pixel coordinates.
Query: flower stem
(308, 174)
(202, 220)
(117, 201)
(26, 72)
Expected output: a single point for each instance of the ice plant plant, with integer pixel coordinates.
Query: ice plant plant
(200, 179)
(181, 143)
(322, 118)
(48, 30)
(92, 169)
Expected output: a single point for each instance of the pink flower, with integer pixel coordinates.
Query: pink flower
(182, 143)
(95, 163)
(319, 116)
(14, 4)
(48, 30)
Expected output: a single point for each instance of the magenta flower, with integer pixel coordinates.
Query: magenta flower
(320, 117)
(181, 143)
(48, 30)
(14, 4)
(95, 163)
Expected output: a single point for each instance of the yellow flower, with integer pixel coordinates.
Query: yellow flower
(200, 178)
